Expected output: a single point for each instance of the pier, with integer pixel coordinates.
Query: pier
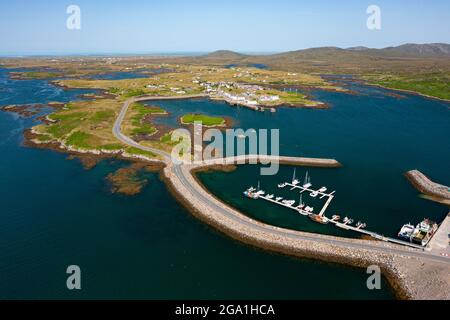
(322, 194)
(343, 225)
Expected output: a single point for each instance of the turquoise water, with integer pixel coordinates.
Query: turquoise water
(53, 214)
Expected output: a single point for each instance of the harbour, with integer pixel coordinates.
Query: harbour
(346, 224)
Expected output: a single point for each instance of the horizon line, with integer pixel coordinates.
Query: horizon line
(180, 53)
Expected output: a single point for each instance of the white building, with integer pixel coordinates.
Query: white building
(269, 98)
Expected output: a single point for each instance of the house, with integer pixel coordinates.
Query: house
(269, 98)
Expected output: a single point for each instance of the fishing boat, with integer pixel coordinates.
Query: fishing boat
(406, 231)
(318, 218)
(253, 193)
(250, 193)
(423, 232)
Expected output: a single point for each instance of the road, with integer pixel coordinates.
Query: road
(191, 185)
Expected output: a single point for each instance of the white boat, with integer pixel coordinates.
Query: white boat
(250, 193)
(307, 182)
(282, 185)
(278, 198)
(301, 204)
(253, 193)
(323, 189)
(309, 209)
(406, 231)
(270, 196)
(347, 220)
(288, 202)
(314, 194)
(360, 225)
(294, 180)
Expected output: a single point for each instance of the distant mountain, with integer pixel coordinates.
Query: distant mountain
(432, 50)
(224, 54)
(421, 50)
(411, 50)
(359, 48)
(358, 59)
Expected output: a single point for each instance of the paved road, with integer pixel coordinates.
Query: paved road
(197, 191)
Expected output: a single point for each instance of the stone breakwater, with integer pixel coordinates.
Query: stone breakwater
(404, 271)
(428, 187)
(266, 159)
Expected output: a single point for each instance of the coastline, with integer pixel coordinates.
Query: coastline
(366, 82)
(319, 247)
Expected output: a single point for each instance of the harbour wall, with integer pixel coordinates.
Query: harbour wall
(426, 186)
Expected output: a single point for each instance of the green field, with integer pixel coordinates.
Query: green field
(430, 84)
(138, 112)
(38, 75)
(79, 139)
(204, 119)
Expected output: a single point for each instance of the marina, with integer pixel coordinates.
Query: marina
(408, 232)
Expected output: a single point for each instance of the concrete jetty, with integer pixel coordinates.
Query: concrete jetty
(439, 244)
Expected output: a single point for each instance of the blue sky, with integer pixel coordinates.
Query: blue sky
(138, 26)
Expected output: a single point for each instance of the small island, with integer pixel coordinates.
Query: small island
(207, 121)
